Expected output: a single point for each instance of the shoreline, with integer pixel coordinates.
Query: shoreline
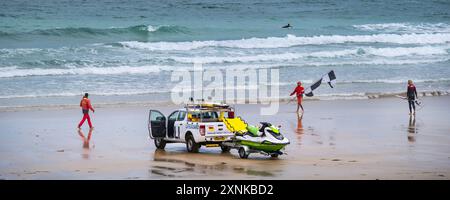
(365, 96)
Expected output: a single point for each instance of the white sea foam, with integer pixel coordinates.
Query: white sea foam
(368, 51)
(291, 40)
(264, 57)
(397, 80)
(323, 96)
(388, 81)
(378, 62)
(151, 28)
(407, 51)
(71, 94)
(406, 27)
(8, 72)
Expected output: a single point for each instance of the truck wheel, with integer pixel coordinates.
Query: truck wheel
(225, 149)
(160, 143)
(191, 145)
(275, 155)
(243, 153)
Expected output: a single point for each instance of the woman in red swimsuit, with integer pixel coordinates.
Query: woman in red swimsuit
(299, 90)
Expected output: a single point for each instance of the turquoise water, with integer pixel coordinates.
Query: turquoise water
(52, 51)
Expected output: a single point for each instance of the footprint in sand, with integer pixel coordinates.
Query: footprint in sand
(326, 118)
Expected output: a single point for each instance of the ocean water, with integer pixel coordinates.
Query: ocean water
(52, 51)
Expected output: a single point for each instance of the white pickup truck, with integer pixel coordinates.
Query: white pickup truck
(195, 125)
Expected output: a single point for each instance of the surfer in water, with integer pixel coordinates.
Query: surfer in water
(411, 95)
(85, 105)
(287, 26)
(299, 90)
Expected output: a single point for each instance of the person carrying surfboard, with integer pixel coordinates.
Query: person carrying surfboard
(411, 94)
(299, 90)
(85, 105)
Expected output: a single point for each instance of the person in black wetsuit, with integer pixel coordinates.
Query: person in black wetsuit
(411, 94)
(287, 26)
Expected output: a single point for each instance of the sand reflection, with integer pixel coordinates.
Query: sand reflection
(412, 129)
(86, 141)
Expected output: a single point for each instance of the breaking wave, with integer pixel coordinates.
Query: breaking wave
(8, 72)
(405, 27)
(78, 32)
(292, 40)
(369, 51)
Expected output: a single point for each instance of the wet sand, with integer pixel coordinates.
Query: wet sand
(339, 139)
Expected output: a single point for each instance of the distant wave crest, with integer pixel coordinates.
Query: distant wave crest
(292, 40)
(405, 27)
(88, 31)
(7, 72)
(367, 51)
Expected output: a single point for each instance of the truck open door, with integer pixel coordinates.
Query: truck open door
(156, 124)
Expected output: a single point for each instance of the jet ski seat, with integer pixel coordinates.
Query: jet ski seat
(253, 131)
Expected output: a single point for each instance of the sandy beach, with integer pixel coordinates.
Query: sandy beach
(338, 139)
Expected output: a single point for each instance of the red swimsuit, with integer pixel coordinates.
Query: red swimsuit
(299, 90)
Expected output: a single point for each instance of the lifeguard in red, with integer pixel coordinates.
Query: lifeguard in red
(85, 105)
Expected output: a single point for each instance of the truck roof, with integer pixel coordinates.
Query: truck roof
(208, 107)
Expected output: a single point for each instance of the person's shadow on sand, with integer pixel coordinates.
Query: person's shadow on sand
(85, 142)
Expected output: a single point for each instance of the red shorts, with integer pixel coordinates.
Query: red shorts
(299, 100)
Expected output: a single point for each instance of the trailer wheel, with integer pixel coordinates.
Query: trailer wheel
(191, 145)
(243, 153)
(225, 149)
(160, 143)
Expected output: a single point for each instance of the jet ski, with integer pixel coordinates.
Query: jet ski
(265, 139)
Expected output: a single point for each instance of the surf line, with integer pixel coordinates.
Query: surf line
(193, 190)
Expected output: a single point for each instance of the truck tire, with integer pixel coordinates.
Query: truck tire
(160, 143)
(243, 153)
(191, 145)
(225, 149)
(274, 155)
